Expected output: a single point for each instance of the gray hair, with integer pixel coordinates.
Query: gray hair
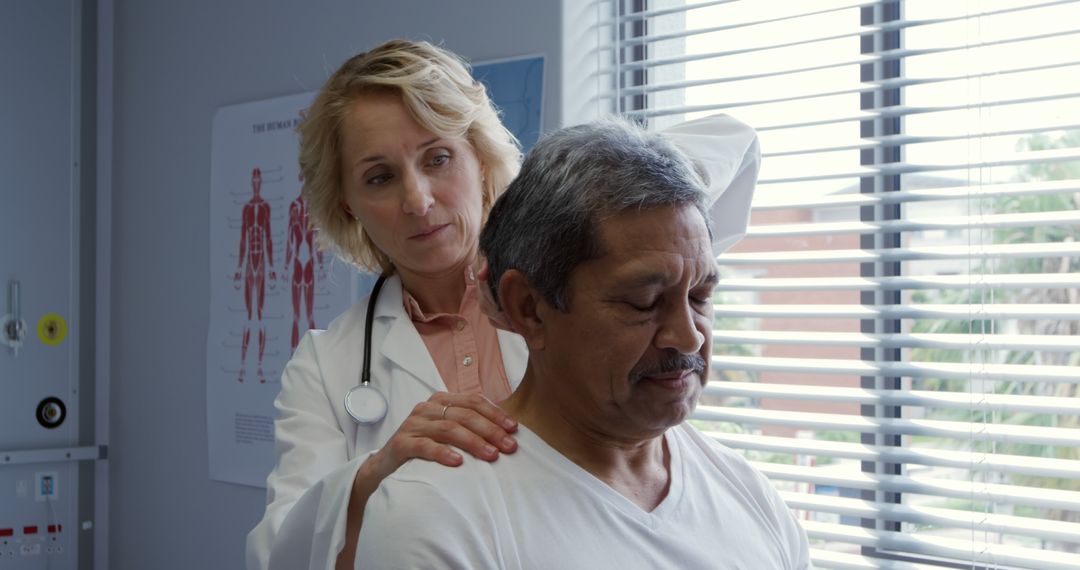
(547, 222)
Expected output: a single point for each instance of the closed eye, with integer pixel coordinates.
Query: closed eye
(701, 296)
(644, 307)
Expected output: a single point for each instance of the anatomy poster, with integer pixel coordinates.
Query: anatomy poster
(269, 283)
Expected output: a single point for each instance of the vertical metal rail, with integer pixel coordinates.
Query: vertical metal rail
(633, 28)
(872, 43)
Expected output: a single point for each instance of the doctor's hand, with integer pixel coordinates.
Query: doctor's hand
(469, 422)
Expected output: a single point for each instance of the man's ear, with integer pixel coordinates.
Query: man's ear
(522, 305)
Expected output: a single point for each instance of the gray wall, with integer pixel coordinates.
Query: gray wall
(175, 63)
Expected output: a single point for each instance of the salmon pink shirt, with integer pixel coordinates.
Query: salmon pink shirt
(464, 346)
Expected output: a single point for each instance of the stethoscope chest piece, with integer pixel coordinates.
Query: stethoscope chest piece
(365, 404)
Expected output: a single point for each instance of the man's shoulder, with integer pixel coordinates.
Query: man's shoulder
(730, 471)
(459, 486)
(427, 515)
(728, 462)
(474, 489)
(695, 439)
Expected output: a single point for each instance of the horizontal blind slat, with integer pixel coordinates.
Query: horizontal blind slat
(825, 559)
(947, 518)
(1040, 157)
(921, 398)
(946, 547)
(1037, 435)
(829, 475)
(878, 85)
(871, 113)
(969, 431)
(1011, 372)
(1022, 342)
(974, 191)
(950, 458)
(879, 57)
(654, 38)
(644, 14)
(888, 26)
(1009, 250)
(913, 224)
(1061, 311)
(973, 282)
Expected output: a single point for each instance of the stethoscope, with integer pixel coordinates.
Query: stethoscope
(365, 403)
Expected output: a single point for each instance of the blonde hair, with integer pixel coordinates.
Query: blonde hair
(440, 94)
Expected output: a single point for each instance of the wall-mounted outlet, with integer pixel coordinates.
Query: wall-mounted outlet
(46, 486)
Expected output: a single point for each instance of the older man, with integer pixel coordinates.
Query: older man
(601, 257)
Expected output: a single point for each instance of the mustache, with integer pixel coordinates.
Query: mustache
(672, 362)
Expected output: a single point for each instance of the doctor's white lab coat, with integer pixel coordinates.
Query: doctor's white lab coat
(319, 447)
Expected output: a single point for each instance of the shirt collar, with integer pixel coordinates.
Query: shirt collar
(416, 314)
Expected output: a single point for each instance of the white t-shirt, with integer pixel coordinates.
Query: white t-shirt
(535, 509)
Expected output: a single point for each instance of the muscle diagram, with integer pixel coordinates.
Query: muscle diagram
(256, 260)
(301, 257)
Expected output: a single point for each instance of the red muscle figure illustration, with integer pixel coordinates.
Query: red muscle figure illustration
(256, 255)
(300, 257)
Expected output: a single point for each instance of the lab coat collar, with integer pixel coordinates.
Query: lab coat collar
(402, 344)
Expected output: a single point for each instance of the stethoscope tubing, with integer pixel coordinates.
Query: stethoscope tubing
(365, 373)
(364, 403)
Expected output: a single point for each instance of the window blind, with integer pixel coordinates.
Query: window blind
(897, 340)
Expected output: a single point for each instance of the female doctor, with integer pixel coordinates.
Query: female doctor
(403, 155)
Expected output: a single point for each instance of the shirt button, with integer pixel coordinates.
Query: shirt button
(460, 325)
(467, 361)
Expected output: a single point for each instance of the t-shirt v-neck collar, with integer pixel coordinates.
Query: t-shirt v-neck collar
(528, 438)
